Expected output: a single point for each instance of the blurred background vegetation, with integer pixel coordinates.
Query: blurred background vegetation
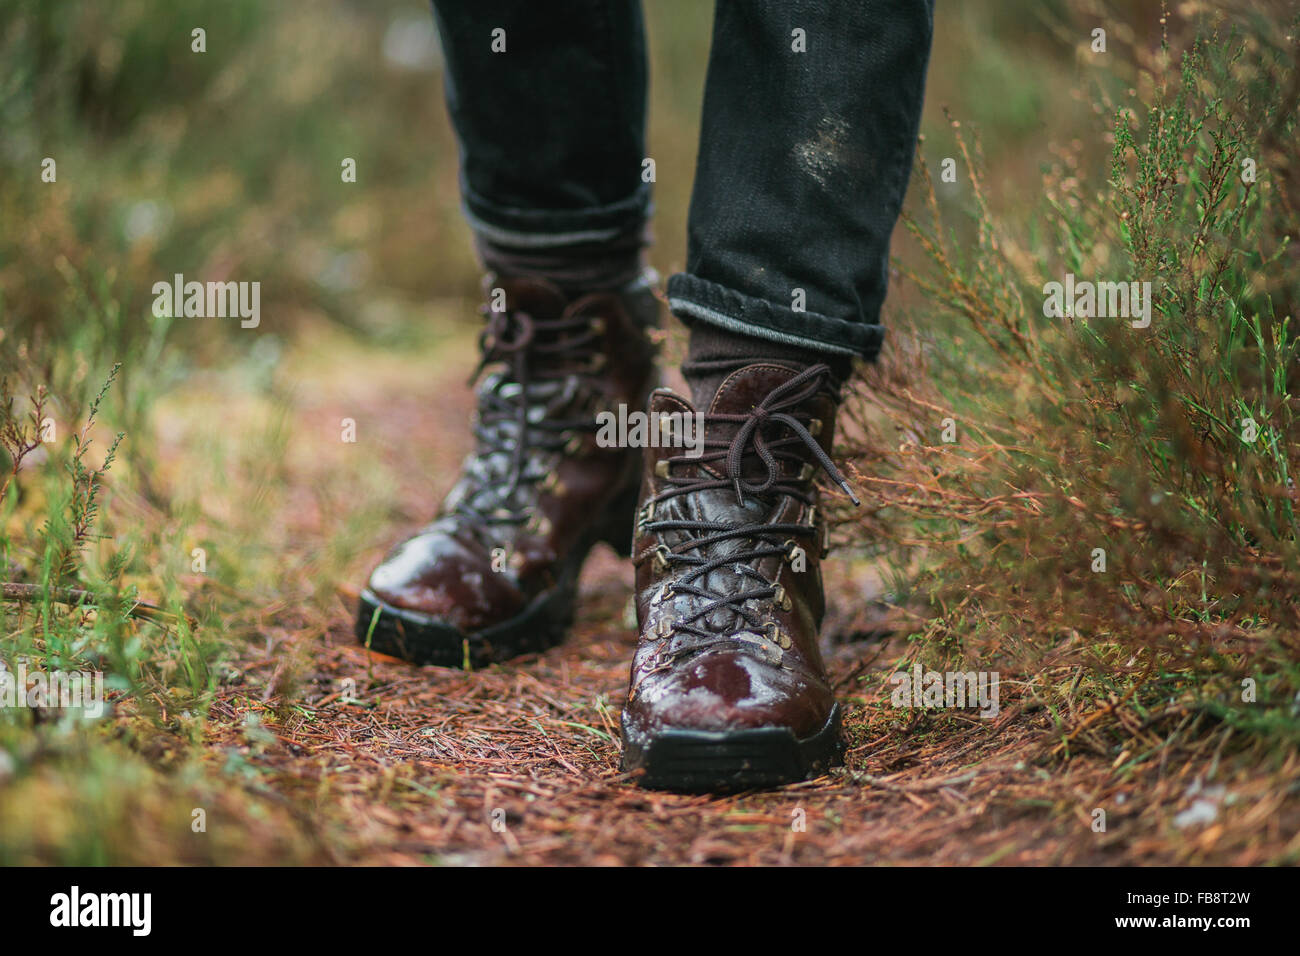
(225, 165)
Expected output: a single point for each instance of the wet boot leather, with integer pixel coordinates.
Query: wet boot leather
(495, 574)
(728, 689)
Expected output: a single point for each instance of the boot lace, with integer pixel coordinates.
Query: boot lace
(537, 404)
(753, 438)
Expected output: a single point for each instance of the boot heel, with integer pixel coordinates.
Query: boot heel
(617, 528)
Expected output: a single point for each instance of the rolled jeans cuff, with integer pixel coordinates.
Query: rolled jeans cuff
(546, 228)
(693, 299)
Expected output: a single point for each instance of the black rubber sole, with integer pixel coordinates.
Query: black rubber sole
(698, 761)
(422, 639)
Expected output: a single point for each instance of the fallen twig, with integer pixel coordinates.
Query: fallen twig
(860, 776)
(76, 597)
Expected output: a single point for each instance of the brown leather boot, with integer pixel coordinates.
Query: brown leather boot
(495, 574)
(728, 690)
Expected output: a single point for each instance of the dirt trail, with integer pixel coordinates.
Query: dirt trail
(386, 763)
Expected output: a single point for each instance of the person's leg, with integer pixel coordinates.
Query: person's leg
(548, 101)
(810, 119)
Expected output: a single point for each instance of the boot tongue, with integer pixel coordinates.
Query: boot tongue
(537, 297)
(542, 302)
(739, 394)
(746, 387)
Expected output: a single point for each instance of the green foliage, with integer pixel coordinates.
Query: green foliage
(1170, 449)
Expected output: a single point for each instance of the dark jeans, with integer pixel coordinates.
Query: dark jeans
(804, 156)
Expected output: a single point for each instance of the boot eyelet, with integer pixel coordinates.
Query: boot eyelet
(781, 599)
(574, 445)
(815, 427)
(664, 627)
(538, 524)
(666, 434)
(645, 515)
(806, 472)
(552, 485)
(792, 549)
(661, 563)
(777, 636)
(597, 325)
(661, 468)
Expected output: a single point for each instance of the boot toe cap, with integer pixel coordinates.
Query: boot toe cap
(434, 575)
(725, 691)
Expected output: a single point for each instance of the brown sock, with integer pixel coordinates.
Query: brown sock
(714, 353)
